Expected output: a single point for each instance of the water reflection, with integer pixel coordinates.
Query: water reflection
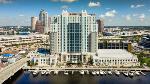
(28, 78)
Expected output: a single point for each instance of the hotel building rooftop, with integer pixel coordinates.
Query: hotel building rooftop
(114, 53)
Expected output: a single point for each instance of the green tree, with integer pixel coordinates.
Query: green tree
(140, 57)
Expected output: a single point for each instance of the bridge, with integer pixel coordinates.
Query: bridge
(11, 69)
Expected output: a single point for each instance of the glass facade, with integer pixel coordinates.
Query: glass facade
(74, 38)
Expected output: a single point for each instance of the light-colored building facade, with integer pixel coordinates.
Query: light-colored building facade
(53, 42)
(42, 59)
(23, 39)
(76, 33)
(114, 58)
(33, 22)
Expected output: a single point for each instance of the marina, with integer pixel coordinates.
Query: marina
(66, 77)
(94, 73)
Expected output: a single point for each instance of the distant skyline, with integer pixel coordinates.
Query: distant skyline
(113, 12)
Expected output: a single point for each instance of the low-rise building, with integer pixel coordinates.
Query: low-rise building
(23, 39)
(114, 58)
(43, 59)
(112, 42)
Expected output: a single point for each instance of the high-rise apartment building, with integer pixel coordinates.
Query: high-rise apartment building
(33, 22)
(75, 34)
(100, 26)
(43, 17)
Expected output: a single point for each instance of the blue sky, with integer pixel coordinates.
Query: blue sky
(113, 12)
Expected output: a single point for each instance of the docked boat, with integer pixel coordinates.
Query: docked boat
(47, 72)
(87, 72)
(102, 72)
(142, 73)
(109, 73)
(93, 73)
(81, 72)
(126, 74)
(137, 73)
(97, 72)
(131, 74)
(117, 72)
(56, 72)
(35, 72)
(43, 72)
(66, 73)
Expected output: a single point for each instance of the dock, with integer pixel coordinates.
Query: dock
(83, 68)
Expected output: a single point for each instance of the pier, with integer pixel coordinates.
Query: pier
(84, 68)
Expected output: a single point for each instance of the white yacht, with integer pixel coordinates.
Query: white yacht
(126, 73)
(117, 72)
(101, 72)
(142, 73)
(56, 72)
(137, 73)
(87, 72)
(93, 73)
(104, 72)
(35, 72)
(109, 72)
(131, 74)
(81, 72)
(47, 72)
(43, 72)
(66, 73)
(97, 72)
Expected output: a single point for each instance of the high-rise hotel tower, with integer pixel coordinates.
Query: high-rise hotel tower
(73, 35)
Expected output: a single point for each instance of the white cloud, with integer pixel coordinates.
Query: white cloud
(21, 15)
(7, 21)
(5, 1)
(137, 6)
(94, 4)
(102, 16)
(111, 13)
(64, 7)
(135, 15)
(69, 1)
(128, 17)
(141, 17)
